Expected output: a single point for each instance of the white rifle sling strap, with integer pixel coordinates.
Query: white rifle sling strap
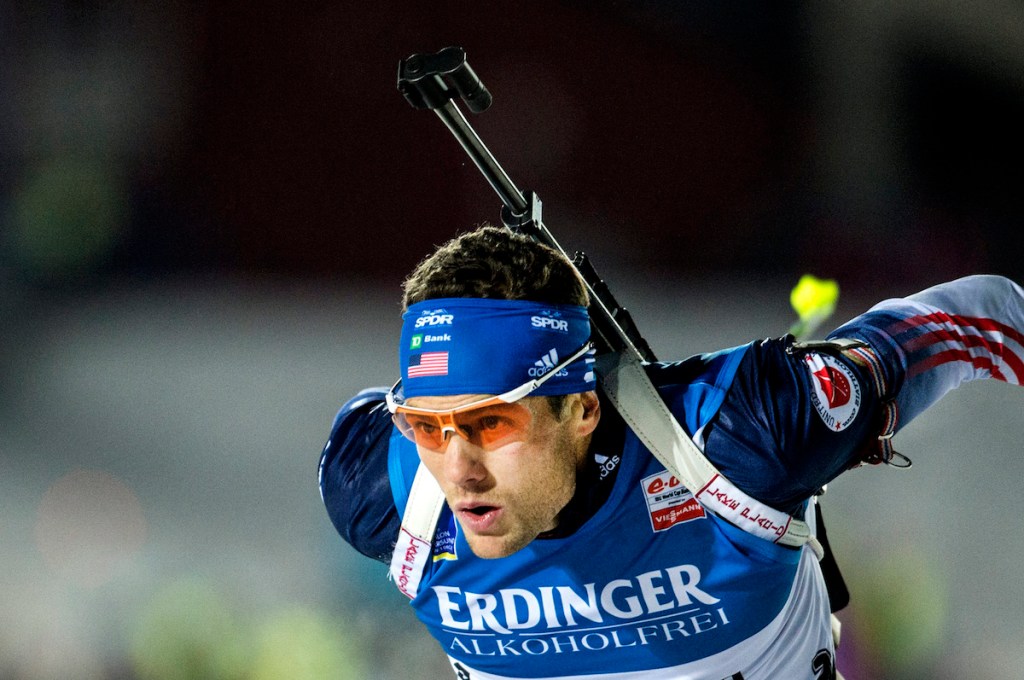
(630, 390)
(416, 537)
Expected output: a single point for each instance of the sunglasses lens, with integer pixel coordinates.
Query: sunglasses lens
(491, 426)
(485, 426)
(423, 429)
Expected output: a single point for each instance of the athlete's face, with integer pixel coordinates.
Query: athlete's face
(506, 495)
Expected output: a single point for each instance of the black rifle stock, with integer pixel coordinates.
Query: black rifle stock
(432, 81)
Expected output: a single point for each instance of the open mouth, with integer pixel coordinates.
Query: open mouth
(480, 510)
(479, 518)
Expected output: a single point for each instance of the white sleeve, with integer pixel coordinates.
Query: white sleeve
(933, 341)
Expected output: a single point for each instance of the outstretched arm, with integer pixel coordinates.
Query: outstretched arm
(794, 420)
(925, 345)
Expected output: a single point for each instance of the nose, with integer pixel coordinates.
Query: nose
(463, 462)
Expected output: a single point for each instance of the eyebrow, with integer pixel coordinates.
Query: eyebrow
(475, 397)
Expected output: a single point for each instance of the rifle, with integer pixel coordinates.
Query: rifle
(433, 81)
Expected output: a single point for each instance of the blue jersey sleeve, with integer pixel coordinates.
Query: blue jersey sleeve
(354, 480)
(791, 422)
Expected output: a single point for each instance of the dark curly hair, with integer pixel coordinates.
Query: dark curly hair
(495, 263)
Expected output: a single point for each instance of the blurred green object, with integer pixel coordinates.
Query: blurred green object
(66, 216)
(814, 301)
(902, 598)
(188, 633)
(302, 644)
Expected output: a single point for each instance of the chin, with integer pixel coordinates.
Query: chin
(493, 547)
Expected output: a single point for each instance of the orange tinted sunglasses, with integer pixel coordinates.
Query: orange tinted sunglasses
(487, 423)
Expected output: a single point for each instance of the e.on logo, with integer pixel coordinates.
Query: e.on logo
(659, 484)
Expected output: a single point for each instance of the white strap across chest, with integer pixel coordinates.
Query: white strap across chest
(416, 537)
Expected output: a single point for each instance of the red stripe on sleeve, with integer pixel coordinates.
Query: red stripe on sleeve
(948, 333)
(951, 355)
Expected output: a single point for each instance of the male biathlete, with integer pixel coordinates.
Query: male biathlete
(538, 537)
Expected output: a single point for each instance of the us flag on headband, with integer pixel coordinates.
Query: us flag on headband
(428, 363)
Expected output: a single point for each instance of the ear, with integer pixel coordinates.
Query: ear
(591, 414)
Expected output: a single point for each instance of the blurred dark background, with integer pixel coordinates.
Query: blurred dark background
(879, 145)
(207, 210)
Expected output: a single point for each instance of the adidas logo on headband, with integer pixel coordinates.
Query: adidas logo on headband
(547, 362)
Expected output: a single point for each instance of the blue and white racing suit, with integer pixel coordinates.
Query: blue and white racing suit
(641, 580)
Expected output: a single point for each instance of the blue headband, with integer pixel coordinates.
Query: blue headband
(483, 346)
